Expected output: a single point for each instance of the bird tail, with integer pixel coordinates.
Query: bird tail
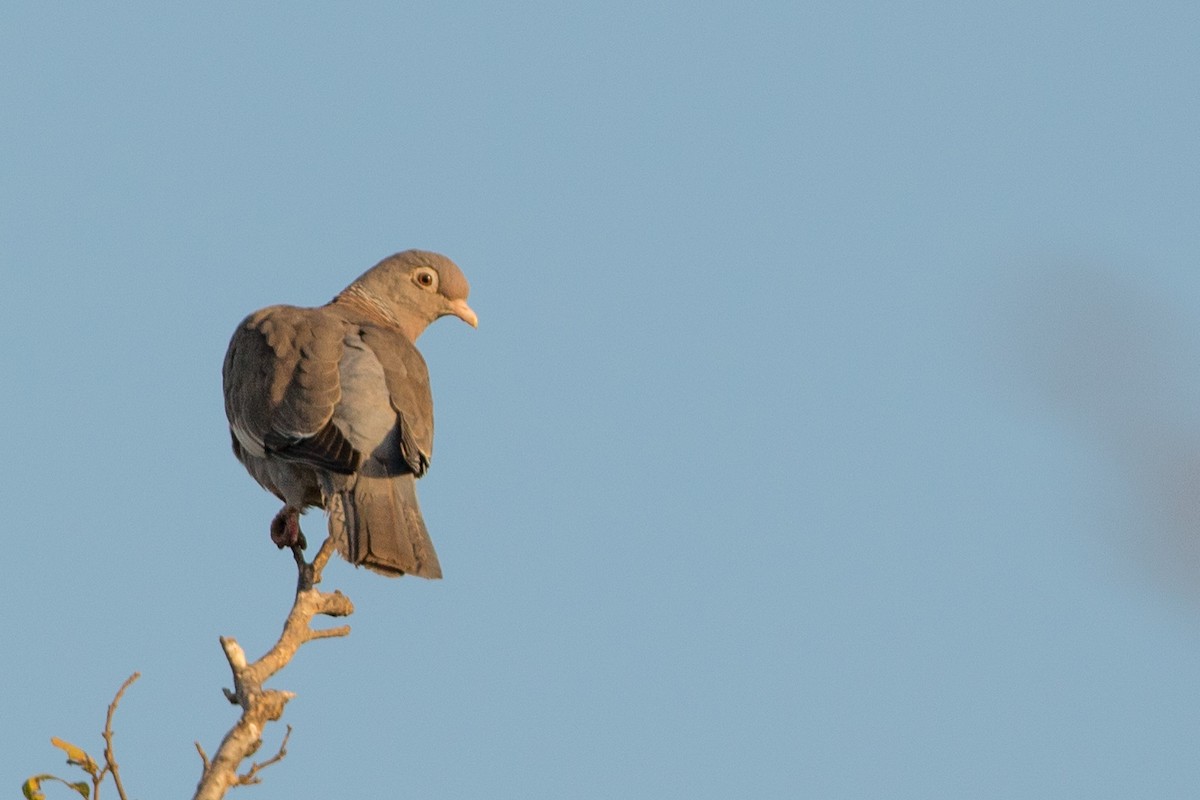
(376, 523)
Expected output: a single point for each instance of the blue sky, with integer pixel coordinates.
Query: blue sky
(830, 430)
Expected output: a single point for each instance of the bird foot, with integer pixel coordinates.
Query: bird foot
(285, 529)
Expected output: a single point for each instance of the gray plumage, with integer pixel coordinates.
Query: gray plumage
(330, 407)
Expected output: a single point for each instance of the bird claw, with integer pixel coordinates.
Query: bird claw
(285, 530)
(306, 577)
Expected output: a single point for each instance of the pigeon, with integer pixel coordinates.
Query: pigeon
(330, 407)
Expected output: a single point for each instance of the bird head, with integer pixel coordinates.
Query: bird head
(414, 288)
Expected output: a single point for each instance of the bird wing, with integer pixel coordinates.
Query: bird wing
(406, 381)
(282, 385)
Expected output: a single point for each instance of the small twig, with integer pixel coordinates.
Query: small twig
(110, 760)
(328, 633)
(251, 776)
(203, 755)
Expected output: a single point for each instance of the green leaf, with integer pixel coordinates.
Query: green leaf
(76, 757)
(32, 788)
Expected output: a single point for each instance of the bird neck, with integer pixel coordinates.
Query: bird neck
(356, 299)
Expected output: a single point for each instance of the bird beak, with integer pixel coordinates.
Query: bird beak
(460, 309)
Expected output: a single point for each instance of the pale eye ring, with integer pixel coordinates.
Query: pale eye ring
(424, 279)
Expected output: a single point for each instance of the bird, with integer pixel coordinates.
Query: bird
(330, 407)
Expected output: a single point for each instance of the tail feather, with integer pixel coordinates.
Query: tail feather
(376, 523)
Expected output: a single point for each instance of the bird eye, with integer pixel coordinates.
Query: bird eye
(425, 278)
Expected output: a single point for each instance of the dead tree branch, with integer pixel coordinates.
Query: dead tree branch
(110, 760)
(261, 705)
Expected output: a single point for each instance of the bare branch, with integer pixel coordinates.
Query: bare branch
(328, 633)
(110, 760)
(260, 705)
(203, 756)
(252, 775)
